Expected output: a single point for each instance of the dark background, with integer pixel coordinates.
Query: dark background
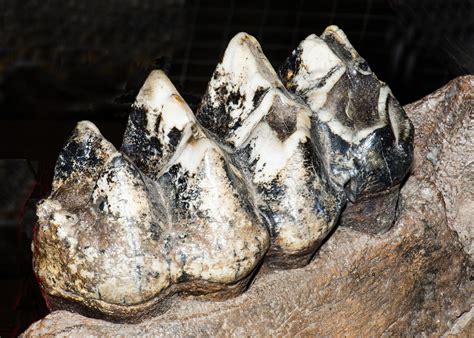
(67, 60)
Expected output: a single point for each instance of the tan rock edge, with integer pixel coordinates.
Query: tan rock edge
(413, 279)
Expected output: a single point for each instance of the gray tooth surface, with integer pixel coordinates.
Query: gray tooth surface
(362, 133)
(267, 132)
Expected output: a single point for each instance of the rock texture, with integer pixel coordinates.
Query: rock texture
(413, 279)
(444, 150)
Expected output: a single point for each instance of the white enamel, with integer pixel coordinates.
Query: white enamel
(161, 99)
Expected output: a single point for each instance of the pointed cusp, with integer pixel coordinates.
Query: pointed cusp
(239, 84)
(123, 194)
(160, 119)
(82, 157)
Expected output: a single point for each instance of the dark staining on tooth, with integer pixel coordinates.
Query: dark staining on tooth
(322, 82)
(102, 205)
(363, 65)
(174, 136)
(145, 150)
(286, 71)
(282, 120)
(337, 47)
(259, 92)
(213, 117)
(155, 231)
(76, 157)
(212, 114)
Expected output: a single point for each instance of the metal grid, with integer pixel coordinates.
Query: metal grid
(415, 46)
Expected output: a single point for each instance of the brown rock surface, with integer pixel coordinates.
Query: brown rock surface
(415, 278)
(444, 150)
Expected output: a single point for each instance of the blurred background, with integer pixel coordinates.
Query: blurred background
(62, 61)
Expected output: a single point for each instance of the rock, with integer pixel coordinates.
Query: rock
(444, 150)
(413, 279)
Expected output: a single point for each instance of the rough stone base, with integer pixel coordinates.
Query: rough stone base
(413, 279)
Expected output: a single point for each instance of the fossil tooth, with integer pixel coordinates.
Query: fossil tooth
(191, 205)
(267, 131)
(363, 135)
(159, 120)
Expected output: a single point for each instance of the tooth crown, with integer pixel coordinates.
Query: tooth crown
(160, 121)
(362, 133)
(163, 216)
(193, 204)
(267, 131)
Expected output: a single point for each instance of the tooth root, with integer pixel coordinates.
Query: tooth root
(212, 209)
(82, 157)
(159, 120)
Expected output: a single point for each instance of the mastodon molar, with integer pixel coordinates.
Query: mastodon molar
(362, 133)
(121, 243)
(266, 130)
(192, 204)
